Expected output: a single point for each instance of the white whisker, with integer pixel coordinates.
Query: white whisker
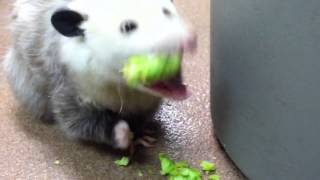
(120, 97)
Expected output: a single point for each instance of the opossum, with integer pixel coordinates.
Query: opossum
(65, 60)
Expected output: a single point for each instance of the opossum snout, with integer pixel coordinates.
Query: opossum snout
(189, 43)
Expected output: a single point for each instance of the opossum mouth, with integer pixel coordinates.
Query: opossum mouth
(172, 88)
(157, 74)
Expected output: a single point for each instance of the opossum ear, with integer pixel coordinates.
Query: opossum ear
(67, 22)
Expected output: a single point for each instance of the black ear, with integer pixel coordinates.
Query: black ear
(67, 22)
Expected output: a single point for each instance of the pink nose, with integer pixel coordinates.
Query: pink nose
(190, 42)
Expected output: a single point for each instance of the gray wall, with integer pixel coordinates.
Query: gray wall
(266, 86)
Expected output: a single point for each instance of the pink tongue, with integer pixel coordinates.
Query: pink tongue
(171, 90)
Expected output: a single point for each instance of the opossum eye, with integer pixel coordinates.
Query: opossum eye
(128, 26)
(166, 12)
(67, 22)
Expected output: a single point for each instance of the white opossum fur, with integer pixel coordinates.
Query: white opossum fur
(74, 79)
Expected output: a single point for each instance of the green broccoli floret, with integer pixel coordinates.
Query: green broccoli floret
(207, 166)
(147, 69)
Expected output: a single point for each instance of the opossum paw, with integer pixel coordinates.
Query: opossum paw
(146, 141)
(122, 135)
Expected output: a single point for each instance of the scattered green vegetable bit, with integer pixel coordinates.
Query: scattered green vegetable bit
(190, 173)
(177, 178)
(207, 166)
(167, 165)
(140, 174)
(181, 164)
(124, 161)
(177, 170)
(214, 177)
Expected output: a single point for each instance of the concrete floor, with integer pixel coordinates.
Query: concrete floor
(29, 149)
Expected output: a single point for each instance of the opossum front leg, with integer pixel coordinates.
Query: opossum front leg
(87, 122)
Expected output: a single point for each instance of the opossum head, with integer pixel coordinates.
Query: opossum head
(100, 35)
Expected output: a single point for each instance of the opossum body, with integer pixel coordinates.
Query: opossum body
(65, 60)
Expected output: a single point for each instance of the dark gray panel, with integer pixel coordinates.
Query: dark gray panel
(266, 86)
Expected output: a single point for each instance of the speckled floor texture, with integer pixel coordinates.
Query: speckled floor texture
(29, 149)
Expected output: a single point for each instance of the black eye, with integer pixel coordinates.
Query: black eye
(128, 26)
(166, 12)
